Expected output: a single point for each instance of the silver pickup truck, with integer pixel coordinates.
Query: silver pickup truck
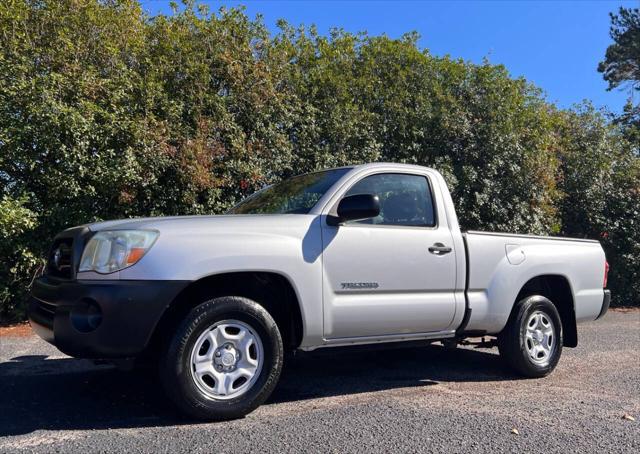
(354, 255)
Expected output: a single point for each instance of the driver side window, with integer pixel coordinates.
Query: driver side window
(404, 199)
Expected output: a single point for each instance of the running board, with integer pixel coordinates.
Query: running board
(344, 341)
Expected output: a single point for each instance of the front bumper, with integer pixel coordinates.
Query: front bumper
(100, 318)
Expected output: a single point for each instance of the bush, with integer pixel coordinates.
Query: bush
(600, 180)
(19, 265)
(108, 113)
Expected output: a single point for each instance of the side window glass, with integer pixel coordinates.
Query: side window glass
(404, 199)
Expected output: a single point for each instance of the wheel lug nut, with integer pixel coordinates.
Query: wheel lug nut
(228, 347)
(219, 367)
(218, 354)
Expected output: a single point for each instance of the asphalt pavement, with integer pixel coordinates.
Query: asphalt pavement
(410, 399)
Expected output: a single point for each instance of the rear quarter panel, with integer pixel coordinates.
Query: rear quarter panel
(495, 280)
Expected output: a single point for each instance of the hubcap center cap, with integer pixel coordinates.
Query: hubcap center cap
(539, 336)
(228, 359)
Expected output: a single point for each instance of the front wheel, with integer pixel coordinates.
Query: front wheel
(224, 360)
(531, 343)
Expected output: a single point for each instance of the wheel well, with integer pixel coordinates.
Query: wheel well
(272, 291)
(557, 289)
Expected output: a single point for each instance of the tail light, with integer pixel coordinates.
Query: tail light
(606, 274)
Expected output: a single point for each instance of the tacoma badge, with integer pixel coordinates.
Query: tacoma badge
(359, 285)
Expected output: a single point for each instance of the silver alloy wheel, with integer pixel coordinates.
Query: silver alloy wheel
(226, 359)
(540, 338)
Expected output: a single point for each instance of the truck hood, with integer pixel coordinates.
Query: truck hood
(256, 223)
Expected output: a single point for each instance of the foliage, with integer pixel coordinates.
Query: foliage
(19, 262)
(622, 58)
(106, 112)
(600, 180)
(621, 66)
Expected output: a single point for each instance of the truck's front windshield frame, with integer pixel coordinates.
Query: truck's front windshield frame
(296, 195)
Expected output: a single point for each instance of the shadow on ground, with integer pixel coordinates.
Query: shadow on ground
(72, 394)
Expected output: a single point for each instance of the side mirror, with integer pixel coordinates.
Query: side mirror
(355, 208)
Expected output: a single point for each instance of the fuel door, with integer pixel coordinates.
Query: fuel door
(515, 254)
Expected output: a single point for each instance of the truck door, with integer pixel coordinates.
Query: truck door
(394, 274)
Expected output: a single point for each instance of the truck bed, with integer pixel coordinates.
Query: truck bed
(499, 265)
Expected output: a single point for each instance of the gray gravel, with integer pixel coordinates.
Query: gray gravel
(402, 399)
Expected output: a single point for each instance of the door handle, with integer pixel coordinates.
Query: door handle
(439, 249)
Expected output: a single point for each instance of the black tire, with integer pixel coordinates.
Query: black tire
(512, 341)
(175, 365)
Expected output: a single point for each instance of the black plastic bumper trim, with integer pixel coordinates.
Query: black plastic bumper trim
(606, 301)
(130, 312)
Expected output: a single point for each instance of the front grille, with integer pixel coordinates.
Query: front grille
(60, 261)
(66, 251)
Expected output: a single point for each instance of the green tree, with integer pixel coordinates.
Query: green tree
(600, 182)
(106, 113)
(374, 98)
(622, 59)
(19, 265)
(621, 66)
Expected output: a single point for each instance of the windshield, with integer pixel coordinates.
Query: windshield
(295, 195)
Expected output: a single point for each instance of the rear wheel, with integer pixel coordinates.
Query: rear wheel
(531, 343)
(224, 360)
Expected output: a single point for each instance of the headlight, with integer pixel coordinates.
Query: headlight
(110, 251)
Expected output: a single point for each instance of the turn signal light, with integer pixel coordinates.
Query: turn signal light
(135, 254)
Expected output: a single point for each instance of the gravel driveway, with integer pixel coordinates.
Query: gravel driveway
(399, 399)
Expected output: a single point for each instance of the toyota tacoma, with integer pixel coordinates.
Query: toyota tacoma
(355, 255)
